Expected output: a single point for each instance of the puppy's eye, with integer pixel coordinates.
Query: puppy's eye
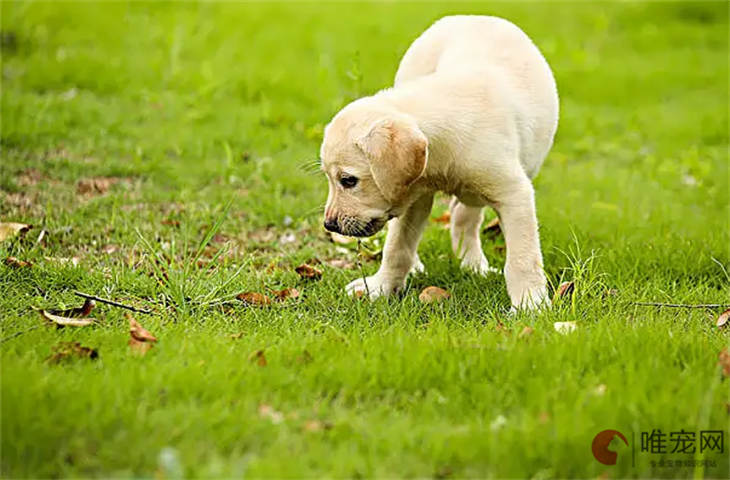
(348, 182)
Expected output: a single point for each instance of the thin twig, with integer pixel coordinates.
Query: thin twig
(362, 271)
(17, 334)
(682, 305)
(112, 302)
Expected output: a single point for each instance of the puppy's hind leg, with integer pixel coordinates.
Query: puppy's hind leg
(465, 224)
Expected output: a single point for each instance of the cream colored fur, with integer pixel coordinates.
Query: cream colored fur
(472, 113)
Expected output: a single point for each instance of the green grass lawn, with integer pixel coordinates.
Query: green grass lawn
(130, 130)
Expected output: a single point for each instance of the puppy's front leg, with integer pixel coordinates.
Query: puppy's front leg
(523, 271)
(399, 253)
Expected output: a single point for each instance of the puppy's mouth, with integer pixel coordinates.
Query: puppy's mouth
(355, 227)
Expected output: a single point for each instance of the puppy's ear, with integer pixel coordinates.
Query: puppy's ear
(398, 152)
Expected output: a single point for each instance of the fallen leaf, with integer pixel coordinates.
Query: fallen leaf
(307, 271)
(724, 362)
(444, 218)
(526, 332)
(259, 357)
(285, 293)
(433, 294)
(236, 336)
(254, 298)
(723, 318)
(95, 185)
(138, 332)
(68, 350)
(564, 327)
(75, 317)
(341, 239)
(60, 321)
(493, 227)
(15, 263)
(269, 412)
(80, 312)
(565, 289)
(10, 230)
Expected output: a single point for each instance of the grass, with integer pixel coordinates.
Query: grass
(204, 114)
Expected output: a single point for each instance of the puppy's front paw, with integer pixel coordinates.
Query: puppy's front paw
(377, 286)
(478, 264)
(418, 266)
(532, 298)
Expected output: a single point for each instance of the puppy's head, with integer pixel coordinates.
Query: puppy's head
(370, 161)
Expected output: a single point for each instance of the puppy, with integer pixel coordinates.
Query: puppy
(472, 113)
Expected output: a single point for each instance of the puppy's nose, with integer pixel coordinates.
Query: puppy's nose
(332, 225)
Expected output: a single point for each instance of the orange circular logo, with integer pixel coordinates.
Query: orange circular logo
(600, 444)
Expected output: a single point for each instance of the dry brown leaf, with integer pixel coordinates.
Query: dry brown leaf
(75, 317)
(444, 218)
(138, 332)
(433, 294)
(68, 350)
(723, 318)
(15, 263)
(254, 298)
(565, 289)
(309, 272)
(285, 293)
(95, 185)
(492, 227)
(60, 321)
(724, 362)
(526, 332)
(80, 312)
(259, 357)
(12, 229)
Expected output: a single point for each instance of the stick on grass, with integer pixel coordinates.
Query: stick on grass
(112, 303)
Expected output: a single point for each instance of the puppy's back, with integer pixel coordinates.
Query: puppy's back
(486, 47)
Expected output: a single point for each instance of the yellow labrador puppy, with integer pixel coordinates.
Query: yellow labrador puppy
(472, 113)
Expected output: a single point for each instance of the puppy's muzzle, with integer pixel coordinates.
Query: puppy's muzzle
(354, 227)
